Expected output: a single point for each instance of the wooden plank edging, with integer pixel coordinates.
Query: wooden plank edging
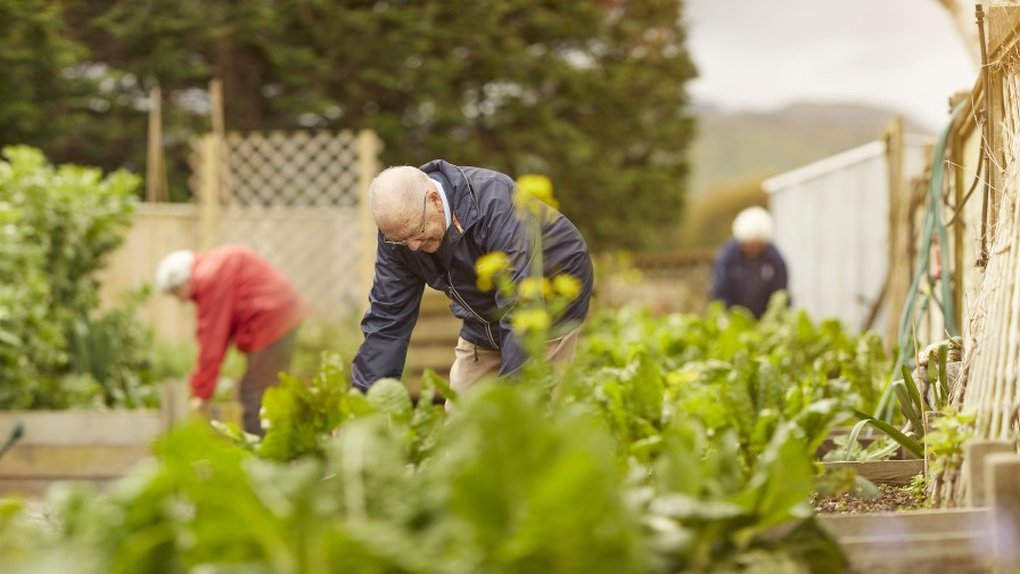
(960, 540)
(970, 521)
(882, 471)
(99, 427)
(73, 461)
(76, 427)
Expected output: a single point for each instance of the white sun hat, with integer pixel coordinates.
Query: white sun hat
(753, 224)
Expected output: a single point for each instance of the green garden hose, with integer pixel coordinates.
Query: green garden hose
(932, 225)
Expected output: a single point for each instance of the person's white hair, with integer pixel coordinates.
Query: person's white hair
(396, 193)
(754, 224)
(174, 270)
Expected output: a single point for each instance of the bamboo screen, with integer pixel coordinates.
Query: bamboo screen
(989, 387)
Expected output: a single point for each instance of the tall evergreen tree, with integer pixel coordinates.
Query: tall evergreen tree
(43, 96)
(591, 93)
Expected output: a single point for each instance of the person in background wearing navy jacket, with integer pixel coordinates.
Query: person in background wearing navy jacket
(434, 223)
(748, 269)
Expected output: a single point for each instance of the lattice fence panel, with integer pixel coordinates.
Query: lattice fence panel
(295, 198)
(311, 246)
(299, 169)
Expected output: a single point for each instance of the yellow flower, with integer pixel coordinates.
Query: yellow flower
(533, 288)
(567, 285)
(530, 320)
(488, 266)
(531, 186)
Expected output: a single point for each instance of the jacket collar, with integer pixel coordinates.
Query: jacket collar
(460, 192)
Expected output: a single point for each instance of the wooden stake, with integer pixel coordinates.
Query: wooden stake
(208, 190)
(175, 403)
(219, 130)
(898, 275)
(369, 147)
(155, 168)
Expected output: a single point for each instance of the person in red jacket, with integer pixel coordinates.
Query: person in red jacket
(238, 296)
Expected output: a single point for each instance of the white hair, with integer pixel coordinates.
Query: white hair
(397, 192)
(754, 224)
(174, 270)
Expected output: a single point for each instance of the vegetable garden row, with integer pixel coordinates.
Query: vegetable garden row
(673, 444)
(680, 443)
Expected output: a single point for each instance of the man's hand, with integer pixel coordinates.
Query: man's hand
(199, 405)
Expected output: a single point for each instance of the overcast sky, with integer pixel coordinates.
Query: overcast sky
(763, 54)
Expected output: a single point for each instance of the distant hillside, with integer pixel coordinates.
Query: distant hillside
(734, 151)
(732, 147)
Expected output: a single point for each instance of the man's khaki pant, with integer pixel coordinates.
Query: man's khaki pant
(473, 363)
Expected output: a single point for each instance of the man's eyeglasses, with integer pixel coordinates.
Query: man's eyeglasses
(421, 229)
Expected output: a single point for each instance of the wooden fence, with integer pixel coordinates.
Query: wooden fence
(158, 229)
(298, 199)
(295, 198)
(665, 281)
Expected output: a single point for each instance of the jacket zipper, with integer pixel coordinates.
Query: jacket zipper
(488, 327)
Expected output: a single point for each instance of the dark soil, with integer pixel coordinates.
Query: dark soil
(890, 498)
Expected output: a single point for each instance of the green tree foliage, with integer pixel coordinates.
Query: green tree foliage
(39, 96)
(590, 93)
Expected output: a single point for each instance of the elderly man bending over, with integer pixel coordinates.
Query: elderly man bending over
(434, 223)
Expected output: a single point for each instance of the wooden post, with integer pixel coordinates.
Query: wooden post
(994, 114)
(958, 230)
(175, 403)
(219, 130)
(369, 147)
(898, 282)
(1002, 481)
(208, 190)
(155, 167)
(975, 453)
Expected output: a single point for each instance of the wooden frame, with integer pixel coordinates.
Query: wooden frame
(962, 540)
(883, 471)
(89, 446)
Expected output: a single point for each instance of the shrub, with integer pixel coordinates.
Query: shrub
(58, 226)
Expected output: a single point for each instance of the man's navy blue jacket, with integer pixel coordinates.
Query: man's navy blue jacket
(748, 282)
(483, 202)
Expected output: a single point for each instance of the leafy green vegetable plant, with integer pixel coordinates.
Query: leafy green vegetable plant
(56, 348)
(676, 444)
(944, 443)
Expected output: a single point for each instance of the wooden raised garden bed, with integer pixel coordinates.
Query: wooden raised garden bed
(90, 446)
(899, 471)
(982, 538)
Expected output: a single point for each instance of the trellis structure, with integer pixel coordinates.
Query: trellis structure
(296, 198)
(985, 154)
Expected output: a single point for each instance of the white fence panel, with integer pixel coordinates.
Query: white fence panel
(832, 226)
